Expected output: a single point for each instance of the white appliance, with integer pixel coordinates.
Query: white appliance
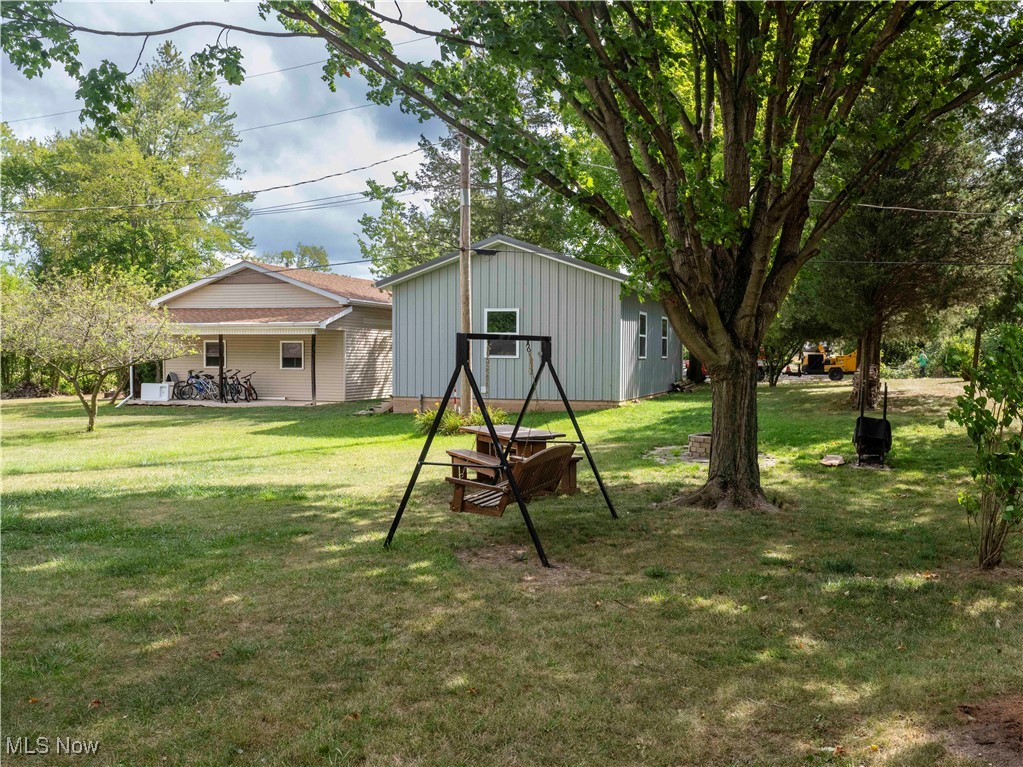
(156, 392)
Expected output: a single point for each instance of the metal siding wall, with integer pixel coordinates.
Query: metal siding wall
(425, 319)
(652, 375)
(578, 309)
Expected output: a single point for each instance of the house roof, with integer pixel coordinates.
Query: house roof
(303, 315)
(500, 239)
(353, 288)
(337, 287)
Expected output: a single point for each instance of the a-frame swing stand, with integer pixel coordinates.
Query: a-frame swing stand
(462, 366)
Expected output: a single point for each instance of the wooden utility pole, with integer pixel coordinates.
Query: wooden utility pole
(464, 270)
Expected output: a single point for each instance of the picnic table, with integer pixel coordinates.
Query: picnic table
(484, 459)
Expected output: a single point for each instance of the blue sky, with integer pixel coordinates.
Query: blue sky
(266, 156)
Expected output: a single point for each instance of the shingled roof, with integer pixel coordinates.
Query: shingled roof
(340, 285)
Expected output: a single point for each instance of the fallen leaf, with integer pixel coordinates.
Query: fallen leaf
(874, 747)
(96, 703)
(473, 690)
(214, 654)
(352, 716)
(839, 750)
(33, 700)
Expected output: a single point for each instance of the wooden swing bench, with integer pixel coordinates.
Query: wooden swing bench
(538, 473)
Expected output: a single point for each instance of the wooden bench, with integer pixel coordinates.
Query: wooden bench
(533, 475)
(484, 465)
(569, 484)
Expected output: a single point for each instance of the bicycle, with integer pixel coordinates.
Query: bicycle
(250, 391)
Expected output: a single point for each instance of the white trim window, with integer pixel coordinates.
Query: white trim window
(642, 335)
(664, 338)
(502, 321)
(211, 354)
(292, 355)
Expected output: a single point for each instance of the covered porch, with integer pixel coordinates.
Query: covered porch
(299, 361)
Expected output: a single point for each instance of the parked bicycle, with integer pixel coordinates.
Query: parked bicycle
(199, 385)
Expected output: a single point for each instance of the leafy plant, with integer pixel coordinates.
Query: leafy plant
(992, 412)
(451, 421)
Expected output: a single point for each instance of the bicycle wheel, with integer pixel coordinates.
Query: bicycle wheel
(232, 391)
(252, 392)
(187, 391)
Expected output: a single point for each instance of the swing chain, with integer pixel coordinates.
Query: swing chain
(529, 353)
(486, 369)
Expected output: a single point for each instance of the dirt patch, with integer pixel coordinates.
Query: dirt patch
(671, 454)
(992, 730)
(523, 563)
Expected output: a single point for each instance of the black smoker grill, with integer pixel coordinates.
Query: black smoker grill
(873, 436)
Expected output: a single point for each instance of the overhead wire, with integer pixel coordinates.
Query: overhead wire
(222, 82)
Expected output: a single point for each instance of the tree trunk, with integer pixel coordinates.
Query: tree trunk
(695, 370)
(733, 480)
(978, 336)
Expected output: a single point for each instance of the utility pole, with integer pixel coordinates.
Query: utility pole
(464, 270)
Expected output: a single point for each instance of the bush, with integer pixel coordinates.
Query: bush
(452, 420)
(992, 412)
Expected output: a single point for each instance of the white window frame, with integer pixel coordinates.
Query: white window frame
(664, 338)
(280, 352)
(486, 326)
(644, 323)
(205, 355)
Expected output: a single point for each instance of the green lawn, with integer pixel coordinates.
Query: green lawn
(208, 587)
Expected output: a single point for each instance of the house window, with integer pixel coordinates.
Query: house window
(292, 355)
(211, 354)
(642, 335)
(502, 321)
(664, 338)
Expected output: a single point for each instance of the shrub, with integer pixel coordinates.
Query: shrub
(452, 420)
(992, 412)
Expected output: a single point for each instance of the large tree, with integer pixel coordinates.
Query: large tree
(715, 117)
(174, 141)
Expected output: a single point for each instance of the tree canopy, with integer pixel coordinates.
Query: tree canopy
(313, 257)
(83, 198)
(504, 201)
(89, 326)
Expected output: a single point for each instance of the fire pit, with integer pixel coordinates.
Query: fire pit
(699, 445)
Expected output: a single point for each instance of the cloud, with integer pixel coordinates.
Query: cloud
(267, 156)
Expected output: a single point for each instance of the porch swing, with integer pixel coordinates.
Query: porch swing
(523, 476)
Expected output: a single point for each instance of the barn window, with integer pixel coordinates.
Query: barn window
(664, 338)
(502, 321)
(642, 335)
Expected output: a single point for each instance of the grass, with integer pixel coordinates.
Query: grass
(208, 587)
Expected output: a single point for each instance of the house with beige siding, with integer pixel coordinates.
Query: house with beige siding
(609, 345)
(305, 335)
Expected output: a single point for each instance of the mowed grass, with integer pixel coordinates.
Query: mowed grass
(208, 587)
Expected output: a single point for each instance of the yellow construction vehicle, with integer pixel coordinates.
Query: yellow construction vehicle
(821, 362)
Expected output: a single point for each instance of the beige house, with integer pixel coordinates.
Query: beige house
(309, 336)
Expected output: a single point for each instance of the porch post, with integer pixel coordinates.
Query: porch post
(312, 364)
(220, 365)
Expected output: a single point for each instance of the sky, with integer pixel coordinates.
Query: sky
(267, 156)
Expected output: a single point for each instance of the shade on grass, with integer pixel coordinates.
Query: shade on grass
(215, 579)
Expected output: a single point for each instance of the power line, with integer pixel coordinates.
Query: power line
(135, 206)
(310, 117)
(906, 209)
(219, 82)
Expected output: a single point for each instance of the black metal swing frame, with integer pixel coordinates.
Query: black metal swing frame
(462, 358)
